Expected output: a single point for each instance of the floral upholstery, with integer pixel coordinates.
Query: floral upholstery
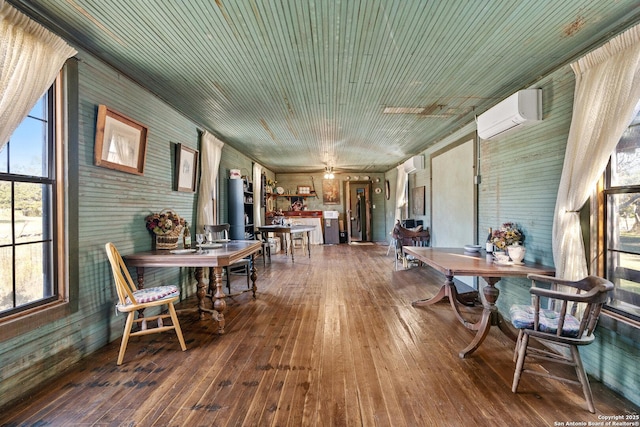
(154, 294)
(522, 317)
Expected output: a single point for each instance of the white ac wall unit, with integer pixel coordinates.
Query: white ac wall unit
(414, 163)
(522, 108)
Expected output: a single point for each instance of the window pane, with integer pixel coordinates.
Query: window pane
(4, 159)
(6, 279)
(624, 271)
(625, 162)
(30, 220)
(28, 148)
(623, 231)
(32, 281)
(39, 111)
(5, 213)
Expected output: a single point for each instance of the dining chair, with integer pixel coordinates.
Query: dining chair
(300, 237)
(266, 249)
(241, 266)
(131, 299)
(402, 236)
(563, 316)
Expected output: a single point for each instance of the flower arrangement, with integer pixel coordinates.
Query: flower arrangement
(508, 234)
(271, 182)
(164, 222)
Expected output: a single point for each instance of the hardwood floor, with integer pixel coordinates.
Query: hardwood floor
(331, 341)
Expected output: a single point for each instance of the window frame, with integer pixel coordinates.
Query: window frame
(65, 114)
(600, 229)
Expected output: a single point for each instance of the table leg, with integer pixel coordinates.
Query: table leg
(217, 296)
(490, 316)
(309, 243)
(254, 276)
(447, 290)
(219, 304)
(292, 245)
(200, 290)
(140, 272)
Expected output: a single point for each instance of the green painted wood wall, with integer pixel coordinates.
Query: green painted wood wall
(112, 207)
(520, 173)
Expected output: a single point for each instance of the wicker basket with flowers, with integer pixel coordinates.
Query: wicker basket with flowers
(166, 227)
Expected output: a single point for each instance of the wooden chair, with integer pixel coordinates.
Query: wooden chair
(568, 322)
(300, 237)
(131, 300)
(408, 237)
(242, 266)
(266, 249)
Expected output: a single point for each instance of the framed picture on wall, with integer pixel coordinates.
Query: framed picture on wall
(418, 200)
(304, 190)
(297, 203)
(121, 143)
(186, 169)
(331, 191)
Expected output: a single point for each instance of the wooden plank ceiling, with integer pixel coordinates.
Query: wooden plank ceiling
(303, 84)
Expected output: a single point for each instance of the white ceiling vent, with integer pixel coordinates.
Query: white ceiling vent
(522, 108)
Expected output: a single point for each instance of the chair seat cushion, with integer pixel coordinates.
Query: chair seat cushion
(522, 317)
(154, 294)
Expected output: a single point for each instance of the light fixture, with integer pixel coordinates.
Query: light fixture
(328, 173)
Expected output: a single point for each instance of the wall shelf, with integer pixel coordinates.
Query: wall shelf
(290, 195)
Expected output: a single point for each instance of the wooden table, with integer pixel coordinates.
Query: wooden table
(290, 229)
(456, 262)
(215, 259)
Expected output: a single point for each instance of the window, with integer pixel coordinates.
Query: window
(28, 212)
(622, 223)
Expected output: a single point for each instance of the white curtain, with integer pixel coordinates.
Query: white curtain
(606, 94)
(401, 193)
(210, 154)
(30, 59)
(257, 194)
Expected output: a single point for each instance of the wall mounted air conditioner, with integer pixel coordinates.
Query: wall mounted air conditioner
(522, 108)
(413, 164)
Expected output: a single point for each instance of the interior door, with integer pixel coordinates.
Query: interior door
(358, 211)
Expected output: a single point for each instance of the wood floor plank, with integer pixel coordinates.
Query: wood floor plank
(329, 341)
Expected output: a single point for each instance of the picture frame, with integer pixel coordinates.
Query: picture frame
(330, 191)
(121, 142)
(297, 203)
(304, 190)
(186, 169)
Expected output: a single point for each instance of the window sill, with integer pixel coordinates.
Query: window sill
(25, 322)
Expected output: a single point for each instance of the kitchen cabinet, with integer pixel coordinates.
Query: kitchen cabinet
(240, 209)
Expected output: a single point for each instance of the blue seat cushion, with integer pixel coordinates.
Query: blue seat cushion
(522, 318)
(155, 294)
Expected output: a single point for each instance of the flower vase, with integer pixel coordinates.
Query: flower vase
(516, 253)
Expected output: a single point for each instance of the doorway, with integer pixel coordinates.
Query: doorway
(358, 211)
